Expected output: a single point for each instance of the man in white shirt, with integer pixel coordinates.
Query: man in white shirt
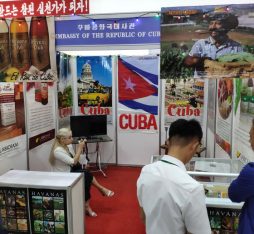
(217, 44)
(172, 202)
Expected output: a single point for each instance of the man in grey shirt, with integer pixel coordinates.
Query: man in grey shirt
(217, 44)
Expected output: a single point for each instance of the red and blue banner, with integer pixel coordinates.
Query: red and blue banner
(138, 92)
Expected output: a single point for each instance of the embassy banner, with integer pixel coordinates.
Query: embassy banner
(138, 93)
(116, 31)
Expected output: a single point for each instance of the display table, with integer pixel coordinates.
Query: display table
(223, 213)
(42, 202)
(215, 175)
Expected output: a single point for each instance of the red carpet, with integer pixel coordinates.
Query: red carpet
(119, 214)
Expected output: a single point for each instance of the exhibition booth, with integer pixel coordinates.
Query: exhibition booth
(119, 79)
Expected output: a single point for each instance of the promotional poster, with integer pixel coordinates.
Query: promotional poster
(28, 54)
(48, 211)
(223, 220)
(28, 51)
(207, 41)
(40, 112)
(243, 115)
(138, 93)
(14, 210)
(184, 98)
(224, 116)
(12, 119)
(65, 90)
(94, 85)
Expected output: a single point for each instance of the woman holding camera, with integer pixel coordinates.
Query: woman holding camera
(64, 159)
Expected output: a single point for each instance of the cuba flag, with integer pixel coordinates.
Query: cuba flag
(138, 83)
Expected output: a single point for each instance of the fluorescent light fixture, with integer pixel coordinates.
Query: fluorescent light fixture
(107, 52)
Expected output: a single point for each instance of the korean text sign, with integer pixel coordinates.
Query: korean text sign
(12, 9)
(108, 31)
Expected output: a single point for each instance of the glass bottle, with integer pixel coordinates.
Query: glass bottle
(244, 104)
(251, 105)
(44, 93)
(4, 45)
(39, 43)
(19, 44)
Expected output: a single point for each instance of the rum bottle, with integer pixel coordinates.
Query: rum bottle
(39, 43)
(19, 44)
(44, 93)
(4, 45)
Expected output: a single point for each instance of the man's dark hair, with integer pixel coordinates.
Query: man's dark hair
(183, 131)
(228, 20)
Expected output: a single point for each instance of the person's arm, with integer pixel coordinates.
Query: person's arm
(62, 155)
(243, 186)
(196, 56)
(79, 151)
(195, 212)
(193, 61)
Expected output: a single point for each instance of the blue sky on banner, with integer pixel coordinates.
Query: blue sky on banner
(138, 84)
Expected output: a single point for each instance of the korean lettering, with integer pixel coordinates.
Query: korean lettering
(124, 26)
(131, 25)
(27, 9)
(116, 25)
(101, 26)
(94, 26)
(109, 26)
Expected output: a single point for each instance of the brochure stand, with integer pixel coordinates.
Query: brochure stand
(42, 202)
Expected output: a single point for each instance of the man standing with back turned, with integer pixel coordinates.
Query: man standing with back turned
(242, 190)
(172, 202)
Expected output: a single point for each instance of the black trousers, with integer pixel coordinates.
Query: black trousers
(88, 182)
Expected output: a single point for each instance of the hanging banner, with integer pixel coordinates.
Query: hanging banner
(31, 57)
(40, 112)
(116, 31)
(12, 120)
(14, 210)
(243, 116)
(48, 211)
(94, 85)
(184, 99)
(65, 90)
(29, 53)
(207, 41)
(15, 8)
(138, 93)
(211, 108)
(224, 117)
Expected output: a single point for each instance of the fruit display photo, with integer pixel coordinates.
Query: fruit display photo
(225, 93)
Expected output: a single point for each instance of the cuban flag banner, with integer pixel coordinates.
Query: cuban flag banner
(138, 92)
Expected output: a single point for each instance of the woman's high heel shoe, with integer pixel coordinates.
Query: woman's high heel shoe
(91, 213)
(107, 193)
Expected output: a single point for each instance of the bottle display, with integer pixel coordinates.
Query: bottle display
(251, 105)
(44, 93)
(4, 45)
(19, 44)
(37, 90)
(244, 104)
(39, 43)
